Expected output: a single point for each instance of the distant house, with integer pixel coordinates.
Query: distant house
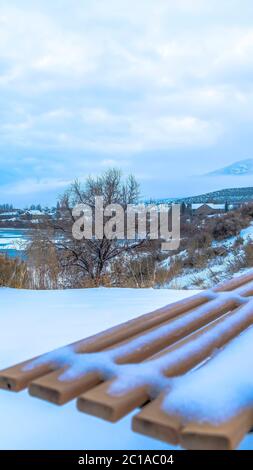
(208, 209)
(237, 205)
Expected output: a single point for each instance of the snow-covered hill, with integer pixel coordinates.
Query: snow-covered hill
(216, 269)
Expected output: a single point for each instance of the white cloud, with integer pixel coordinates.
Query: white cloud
(144, 51)
(104, 132)
(98, 116)
(170, 131)
(32, 186)
(123, 77)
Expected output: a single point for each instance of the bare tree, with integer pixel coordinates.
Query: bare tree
(90, 259)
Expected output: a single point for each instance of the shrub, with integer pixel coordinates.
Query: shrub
(228, 226)
(248, 250)
(13, 273)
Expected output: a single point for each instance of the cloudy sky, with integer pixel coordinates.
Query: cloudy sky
(159, 88)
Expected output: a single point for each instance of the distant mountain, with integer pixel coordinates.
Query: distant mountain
(241, 168)
(230, 195)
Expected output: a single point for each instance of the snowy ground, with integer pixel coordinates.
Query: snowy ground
(216, 268)
(35, 322)
(13, 241)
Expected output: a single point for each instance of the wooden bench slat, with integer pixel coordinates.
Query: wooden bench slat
(98, 402)
(213, 403)
(153, 422)
(227, 436)
(234, 283)
(48, 386)
(16, 378)
(101, 402)
(51, 389)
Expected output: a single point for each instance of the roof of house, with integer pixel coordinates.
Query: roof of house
(210, 205)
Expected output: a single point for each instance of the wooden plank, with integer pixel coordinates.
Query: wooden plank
(98, 402)
(45, 388)
(234, 283)
(215, 311)
(222, 436)
(220, 431)
(102, 403)
(49, 386)
(153, 422)
(16, 378)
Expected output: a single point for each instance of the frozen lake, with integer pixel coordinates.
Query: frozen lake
(13, 241)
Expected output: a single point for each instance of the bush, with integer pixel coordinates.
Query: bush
(247, 210)
(200, 240)
(248, 250)
(228, 226)
(13, 273)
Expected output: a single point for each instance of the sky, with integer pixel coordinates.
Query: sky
(162, 89)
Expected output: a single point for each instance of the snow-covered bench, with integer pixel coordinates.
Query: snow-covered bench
(188, 365)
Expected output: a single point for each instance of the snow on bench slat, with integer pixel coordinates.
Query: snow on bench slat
(219, 390)
(18, 377)
(81, 371)
(215, 336)
(150, 378)
(138, 348)
(135, 348)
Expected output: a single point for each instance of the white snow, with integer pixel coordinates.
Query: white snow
(34, 322)
(215, 271)
(104, 362)
(130, 378)
(13, 244)
(34, 212)
(220, 389)
(7, 214)
(210, 205)
(216, 268)
(247, 233)
(13, 239)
